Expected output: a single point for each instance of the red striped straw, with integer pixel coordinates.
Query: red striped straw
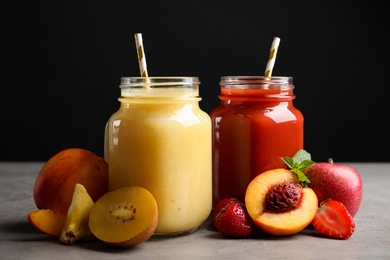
(272, 57)
(141, 55)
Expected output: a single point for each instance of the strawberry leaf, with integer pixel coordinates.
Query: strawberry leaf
(298, 163)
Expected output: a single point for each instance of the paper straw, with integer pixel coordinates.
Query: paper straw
(272, 57)
(141, 55)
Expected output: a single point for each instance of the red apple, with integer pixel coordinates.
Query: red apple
(339, 182)
(54, 184)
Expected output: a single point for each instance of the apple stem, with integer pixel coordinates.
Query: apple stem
(330, 161)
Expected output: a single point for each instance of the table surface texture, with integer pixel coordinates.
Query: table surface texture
(371, 239)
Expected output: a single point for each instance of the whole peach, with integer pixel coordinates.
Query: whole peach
(55, 182)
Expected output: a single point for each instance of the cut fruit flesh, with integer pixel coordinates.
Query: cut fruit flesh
(280, 223)
(290, 222)
(124, 217)
(76, 225)
(47, 221)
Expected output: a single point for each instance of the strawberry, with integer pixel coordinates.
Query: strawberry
(233, 220)
(219, 206)
(333, 219)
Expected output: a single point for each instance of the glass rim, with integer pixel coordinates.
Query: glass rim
(257, 81)
(159, 81)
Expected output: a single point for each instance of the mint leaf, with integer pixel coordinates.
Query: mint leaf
(298, 163)
(289, 162)
(301, 156)
(301, 176)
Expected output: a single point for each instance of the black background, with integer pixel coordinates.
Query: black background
(61, 64)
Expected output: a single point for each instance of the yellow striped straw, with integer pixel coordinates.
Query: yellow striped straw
(272, 57)
(141, 55)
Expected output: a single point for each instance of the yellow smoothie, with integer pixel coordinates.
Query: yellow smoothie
(163, 144)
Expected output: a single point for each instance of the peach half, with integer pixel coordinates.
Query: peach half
(278, 204)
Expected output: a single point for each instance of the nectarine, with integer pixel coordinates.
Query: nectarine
(54, 184)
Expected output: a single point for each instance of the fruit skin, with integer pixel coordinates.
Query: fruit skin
(279, 223)
(219, 206)
(47, 221)
(233, 220)
(76, 224)
(339, 182)
(334, 220)
(55, 182)
(124, 217)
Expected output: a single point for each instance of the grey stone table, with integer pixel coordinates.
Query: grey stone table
(371, 240)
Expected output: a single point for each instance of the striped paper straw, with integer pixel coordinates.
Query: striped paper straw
(272, 57)
(141, 55)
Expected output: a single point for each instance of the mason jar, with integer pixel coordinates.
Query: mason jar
(254, 127)
(160, 139)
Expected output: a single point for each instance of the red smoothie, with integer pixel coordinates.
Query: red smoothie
(254, 127)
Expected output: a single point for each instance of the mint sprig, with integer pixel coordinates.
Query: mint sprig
(298, 163)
